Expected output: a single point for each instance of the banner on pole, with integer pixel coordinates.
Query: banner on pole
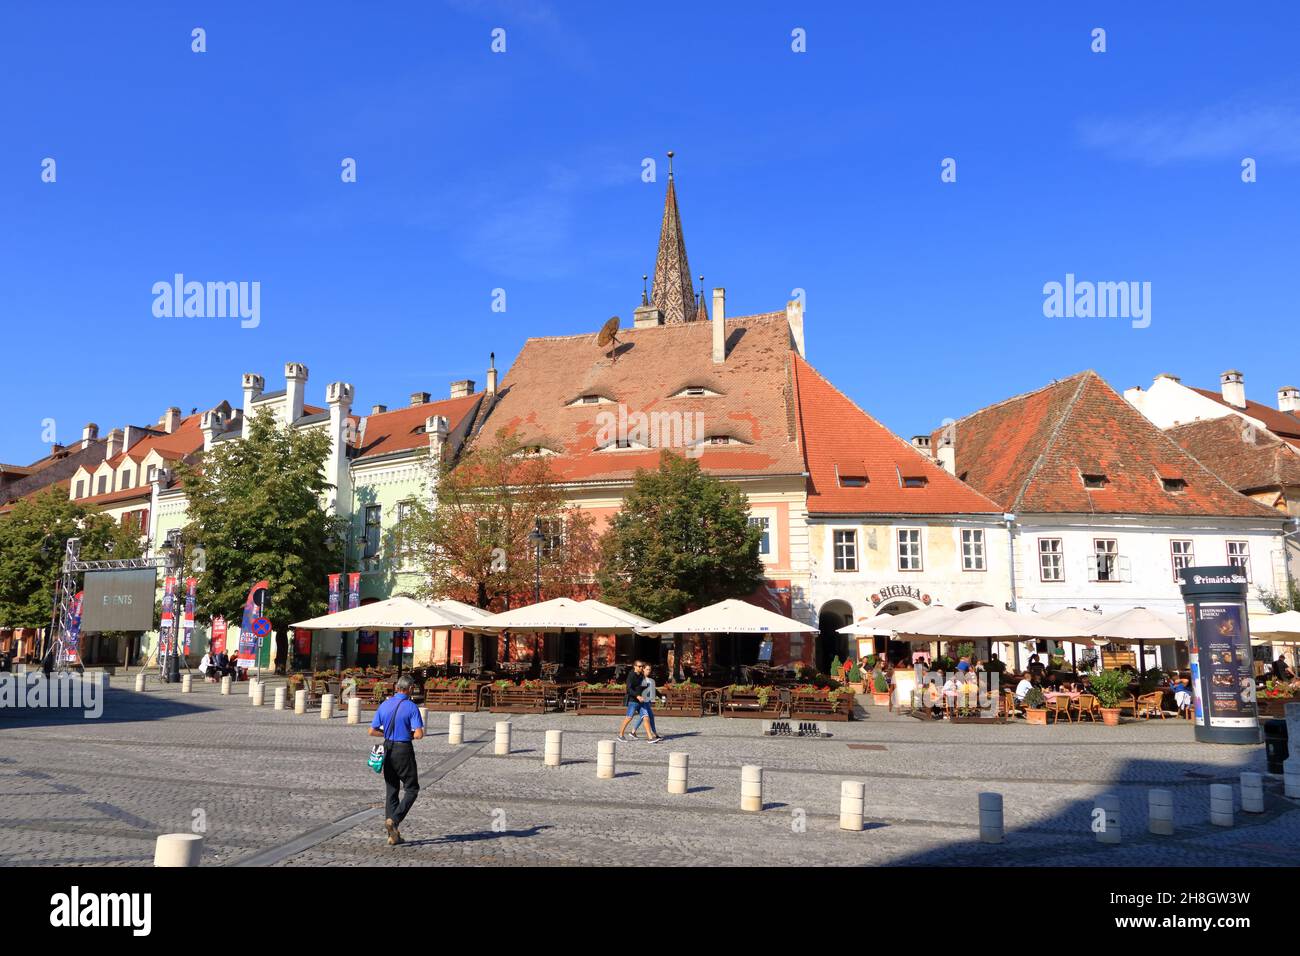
(218, 636)
(253, 609)
(187, 621)
(72, 637)
(354, 589)
(334, 593)
(167, 625)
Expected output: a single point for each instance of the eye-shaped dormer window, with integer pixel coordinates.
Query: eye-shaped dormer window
(695, 391)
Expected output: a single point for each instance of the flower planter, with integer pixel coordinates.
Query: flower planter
(749, 704)
(1273, 706)
(1035, 715)
(1110, 716)
(453, 699)
(681, 702)
(608, 703)
(806, 707)
(517, 700)
(880, 700)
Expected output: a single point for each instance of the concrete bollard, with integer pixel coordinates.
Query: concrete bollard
(178, 849)
(251, 685)
(300, 702)
(503, 738)
(553, 755)
(1252, 793)
(751, 788)
(991, 824)
(187, 683)
(605, 759)
(280, 694)
(853, 800)
(1291, 777)
(1160, 812)
(1221, 804)
(456, 729)
(1105, 818)
(424, 717)
(326, 706)
(259, 694)
(139, 683)
(354, 710)
(225, 686)
(678, 765)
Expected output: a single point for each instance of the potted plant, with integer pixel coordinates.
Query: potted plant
(856, 680)
(880, 690)
(1035, 706)
(1110, 687)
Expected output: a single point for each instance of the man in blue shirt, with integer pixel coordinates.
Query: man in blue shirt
(398, 722)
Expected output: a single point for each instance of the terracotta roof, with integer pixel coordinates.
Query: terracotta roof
(1280, 423)
(755, 401)
(117, 497)
(841, 440)
(403, 428)
(1247, 459)
(1029, 454)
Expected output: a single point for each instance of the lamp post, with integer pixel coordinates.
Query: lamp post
(173, 554)
(535, 538)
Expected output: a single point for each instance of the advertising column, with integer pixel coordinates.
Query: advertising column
(1223, 672)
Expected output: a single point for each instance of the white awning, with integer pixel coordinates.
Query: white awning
(1140, 625)
(732, 617)
(398, 614)
(563, 614)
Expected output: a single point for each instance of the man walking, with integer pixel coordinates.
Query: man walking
(397, 721)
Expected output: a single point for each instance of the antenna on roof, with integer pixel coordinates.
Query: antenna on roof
(609, 333)
(670, 164)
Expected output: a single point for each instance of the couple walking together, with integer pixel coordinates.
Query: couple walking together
(640, 702)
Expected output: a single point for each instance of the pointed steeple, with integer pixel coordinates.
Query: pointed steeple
(701, 310)
(673, 292)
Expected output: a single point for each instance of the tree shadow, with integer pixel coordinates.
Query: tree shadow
(119, 706)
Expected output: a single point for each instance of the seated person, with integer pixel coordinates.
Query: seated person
(1024, 687)
(1280, 669)
(1036, 667)
(205, 666)
(1182, 690)
(221, 663)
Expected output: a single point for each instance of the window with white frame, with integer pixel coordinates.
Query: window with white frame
(405, 553)
(972, 549)
(909, 549)
(103, 484)
(765, 542)
(846, 550)
(552, 538)
(1105, 553)
(1184, 556)
(1051, 560)
(1239, 556)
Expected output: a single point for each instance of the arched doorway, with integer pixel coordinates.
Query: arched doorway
(895, 650)
(830, 644)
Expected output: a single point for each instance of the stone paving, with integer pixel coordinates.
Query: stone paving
(271, 788)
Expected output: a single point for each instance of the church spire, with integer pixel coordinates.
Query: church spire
(673, 292)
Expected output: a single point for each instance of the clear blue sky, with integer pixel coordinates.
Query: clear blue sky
(522, 171)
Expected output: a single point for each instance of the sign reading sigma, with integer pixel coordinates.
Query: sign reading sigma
(119, 600)
(891, 591)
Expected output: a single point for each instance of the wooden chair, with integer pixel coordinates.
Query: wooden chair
(1087, 705)
(1009, 703)
(1058, 705)
(1150, 705)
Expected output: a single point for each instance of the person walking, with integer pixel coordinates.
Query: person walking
(645, 710)
(632, 696)
(397, 721)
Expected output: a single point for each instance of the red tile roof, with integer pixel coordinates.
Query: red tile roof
(1029, 453)
(1280, 423)
(403, 428)
(755, 402)
(1248, 459)
(838, 435)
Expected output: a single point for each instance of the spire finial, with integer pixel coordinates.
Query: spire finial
(670, 164)
(492, 360)
(644, 299)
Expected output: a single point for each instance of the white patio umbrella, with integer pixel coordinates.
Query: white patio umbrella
(732, 617)
(1140, 626)
(395, 614)
(1080, 619)
(1283, 628)
(883, 625)
(989, 622)
(562, 614)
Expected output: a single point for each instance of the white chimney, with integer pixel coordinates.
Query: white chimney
(719, 326)
(946, 453)
(171, 418)
(435, 426)
(295, 390)
(1234, 388)
(88, 434)
(1288, 399)
(378, 409)
(794, 316)
(492, 373)
(420, 398)
(130, 435)
(208, 425)
(113, 444)
(338, 395)
(253, 386)
(462, 388)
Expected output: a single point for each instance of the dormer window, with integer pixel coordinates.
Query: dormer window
(853, 481)
(695, 391)
(1171, 480)
(591, 398)
(533, 451)
(914, 481)
(1094, 481)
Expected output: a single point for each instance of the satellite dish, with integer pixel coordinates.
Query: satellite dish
(608, 334)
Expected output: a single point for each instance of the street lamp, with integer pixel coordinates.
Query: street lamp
(173, 555)
(535, 538)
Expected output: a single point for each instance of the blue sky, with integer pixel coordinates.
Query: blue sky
(522, 171)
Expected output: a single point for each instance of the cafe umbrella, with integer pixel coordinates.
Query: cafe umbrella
(731, 617)
(1140, 626)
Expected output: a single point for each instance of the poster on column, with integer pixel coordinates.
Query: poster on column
(72, 636)
(1223, 655)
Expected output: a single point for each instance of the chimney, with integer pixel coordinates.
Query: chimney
(1288, 399)
(946, 453)
(492, 373)
(171, 418)
(462, 388)
(88, 434)
(338, 396)
(113, 444)
(719, 326)
(208, 425)
(922, 444)
(130, 435)
(794, 316)
(295, 390)
(378, 409)
(253, 386)
(1169, 375)
(435, 426)
(422, 398)
(1234, 388)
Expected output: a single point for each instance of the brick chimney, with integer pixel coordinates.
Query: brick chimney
(1233, 388)
(209, 425)
(462, 388)
(89, 434)
(378, 409)
(719, 326)
(1288, 399)
(921, 443)
(113, 444)
(419, 398)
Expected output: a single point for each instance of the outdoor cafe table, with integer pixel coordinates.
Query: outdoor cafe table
(1051, 695)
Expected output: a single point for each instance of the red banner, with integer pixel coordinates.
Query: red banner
(334, 593)
(354, 589)
(302, 642)
(218, 642)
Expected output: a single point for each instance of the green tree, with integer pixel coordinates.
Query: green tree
(255, 507)
(1278, 601)
(681, 541)
(46, 521)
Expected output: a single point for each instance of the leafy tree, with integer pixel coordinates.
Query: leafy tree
(473, 544)
(681, 541)
(255, 506)
(1278, 601)
(48, 519)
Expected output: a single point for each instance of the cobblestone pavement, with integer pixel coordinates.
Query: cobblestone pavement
(279, 789)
